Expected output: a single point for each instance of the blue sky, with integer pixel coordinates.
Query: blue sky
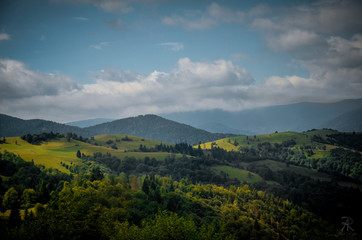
(68, 60)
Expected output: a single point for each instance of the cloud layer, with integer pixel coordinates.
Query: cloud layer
(190, 86)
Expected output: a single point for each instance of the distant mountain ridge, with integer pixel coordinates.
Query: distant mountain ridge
(13, 127)
(147, 126)
(347, 122)
(184, 126)
(292, 117)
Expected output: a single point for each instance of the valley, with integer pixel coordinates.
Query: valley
(311, 171)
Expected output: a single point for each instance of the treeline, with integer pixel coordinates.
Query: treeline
(182, 148)
(341, 162)
(196, 169)
(37, 139)
(152, 207)
(348, 140)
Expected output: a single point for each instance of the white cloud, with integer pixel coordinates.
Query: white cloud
(174, 46)
(100, 45)
(82, 19)
(189, 86)
(4, 36)
(19, 82)
(297, 27)
(212, 16)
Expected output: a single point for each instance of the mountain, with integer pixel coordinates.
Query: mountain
(347, 122)
(292, 117)
(147, 126)
(13, 127)
(156, 128)
(89, 122)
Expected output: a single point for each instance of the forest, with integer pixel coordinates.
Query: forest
(184, 196)
(57, 206)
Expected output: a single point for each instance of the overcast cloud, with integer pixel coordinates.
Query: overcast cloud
(190, 86)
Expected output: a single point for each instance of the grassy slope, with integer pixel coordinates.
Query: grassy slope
(51, 154)
(240, 174)
(302, 139)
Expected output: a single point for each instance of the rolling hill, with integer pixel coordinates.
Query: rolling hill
(61, 154)
(156, 128)
(147, 126)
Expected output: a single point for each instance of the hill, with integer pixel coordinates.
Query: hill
(12, 127)
(316, 151)
(292, 117)
(61, 153)
(155, 127)
(147, 126)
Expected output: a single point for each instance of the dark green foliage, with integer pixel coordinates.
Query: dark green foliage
(37, 139)
(343, 162)
(79, 155)
(96, 174)
(24, 175)
(109, 209)
(349, 140)
(182, 148)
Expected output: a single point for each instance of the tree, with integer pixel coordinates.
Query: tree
(96, 174)
(11, 199)
(28, 198)
(79, 155)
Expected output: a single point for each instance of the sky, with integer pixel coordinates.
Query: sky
(69, 60)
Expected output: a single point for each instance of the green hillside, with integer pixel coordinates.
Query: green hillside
(301, 139)
(240, 174)
(60, 153)
(319, 154)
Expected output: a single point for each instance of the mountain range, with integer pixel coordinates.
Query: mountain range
(344, 115)
(204, 126)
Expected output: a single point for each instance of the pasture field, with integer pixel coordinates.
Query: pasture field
(55, 153)
(240, 174)
(302, 140)
(124, 142)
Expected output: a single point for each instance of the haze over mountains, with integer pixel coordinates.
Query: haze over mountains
(344, 115)
(192, 127)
